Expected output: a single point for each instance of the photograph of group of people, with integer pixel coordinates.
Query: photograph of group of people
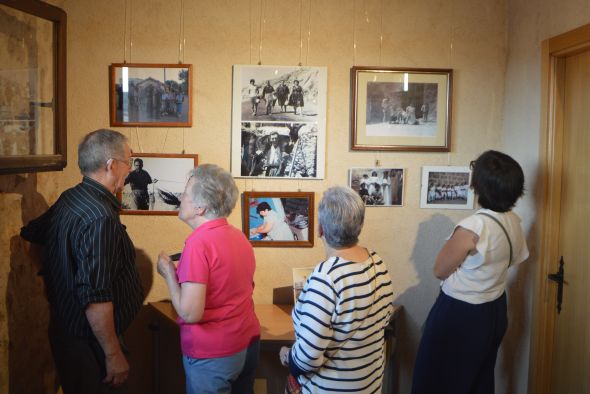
(378, 186)
(398, 109)
(286, 150)
(279, 121)
(155, 184)
(151, 95)
(278, 219)
(446, 187)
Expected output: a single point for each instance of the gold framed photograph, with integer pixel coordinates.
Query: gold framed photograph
(401, 109)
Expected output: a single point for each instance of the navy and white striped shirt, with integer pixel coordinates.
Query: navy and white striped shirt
(339, 322)
(89, 258)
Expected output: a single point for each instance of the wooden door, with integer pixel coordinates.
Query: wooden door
(571, 345)
(560, 352)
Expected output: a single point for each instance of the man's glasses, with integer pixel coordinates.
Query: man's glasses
(126, 162)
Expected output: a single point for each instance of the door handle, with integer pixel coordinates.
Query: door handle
(558, 278)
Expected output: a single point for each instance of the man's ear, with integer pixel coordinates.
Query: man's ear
(109, 166)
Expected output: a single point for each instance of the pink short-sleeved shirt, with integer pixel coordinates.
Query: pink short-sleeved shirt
(219, 256)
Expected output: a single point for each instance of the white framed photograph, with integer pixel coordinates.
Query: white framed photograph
(446, 187)
(278, 121)
(378, 186)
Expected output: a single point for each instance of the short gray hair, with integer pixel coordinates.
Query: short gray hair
(341, 214)
(214, 189)
(97, 147)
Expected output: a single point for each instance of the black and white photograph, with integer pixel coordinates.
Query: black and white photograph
(151, 95)
(446, 188)
(401, 109)
(378, 187)
(278, 218)
(285, 150)
(288, 100)
(155, 183)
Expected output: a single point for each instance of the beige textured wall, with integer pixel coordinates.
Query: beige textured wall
(529, 23)
(468, 36)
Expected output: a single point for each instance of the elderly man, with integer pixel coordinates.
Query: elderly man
(89, 269)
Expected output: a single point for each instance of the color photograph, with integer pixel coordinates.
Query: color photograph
(278, 218)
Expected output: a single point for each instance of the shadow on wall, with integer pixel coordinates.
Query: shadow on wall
(418, 300)
(26, 306)
(514, 351)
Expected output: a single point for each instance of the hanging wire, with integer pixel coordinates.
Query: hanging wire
(181, 36)
(300, 32)
(165, 139)
(183, 129)
(260, 31)
(353, 32)
(250, 12)
(130, 28)
(451, 52)
(308, 33)
(381, 34)
(138, 143)
(125, 36)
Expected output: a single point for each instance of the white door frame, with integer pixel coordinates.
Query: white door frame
(554, 52)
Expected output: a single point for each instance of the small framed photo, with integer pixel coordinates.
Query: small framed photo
(278, 219)
(155, 183)
(378, 186)
(401, 109)
(278, 121)
(151, 95)
(446, 188)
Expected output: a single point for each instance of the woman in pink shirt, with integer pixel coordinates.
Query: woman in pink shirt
(211, 289)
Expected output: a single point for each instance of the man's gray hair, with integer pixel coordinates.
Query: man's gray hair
(341, 214)
(97, 147)
(214, 189)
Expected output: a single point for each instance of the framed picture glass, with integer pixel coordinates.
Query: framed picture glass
(378, 187)
(32, 87)
(401, 109)
(278, 122)
(446, 188)
(278, 219)
(155, 183)
(152, 95)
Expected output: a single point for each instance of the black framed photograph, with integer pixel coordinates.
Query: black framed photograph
(278, 219)
(33, 130)
(446, 187)
(155, 183)
(281, 110)
(401, 109)
(151, 95)
(378, 186)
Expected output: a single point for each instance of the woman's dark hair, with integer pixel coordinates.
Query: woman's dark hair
(498, 181)
(263, 206)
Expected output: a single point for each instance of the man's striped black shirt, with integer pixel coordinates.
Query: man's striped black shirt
(89, 258)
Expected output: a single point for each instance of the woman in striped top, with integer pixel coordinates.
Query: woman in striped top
(346, 304)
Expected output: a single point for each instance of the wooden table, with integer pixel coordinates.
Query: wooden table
(276, 330)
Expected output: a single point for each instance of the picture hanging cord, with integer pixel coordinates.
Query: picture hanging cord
(181, 36)
(130, 28)
(260, 21)
(381, 34)
(165, 139)
(353, 31)
(308, 33)
(125, 35)
(183, 129)
(250, 14)
(300, 32)
(138, 143)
